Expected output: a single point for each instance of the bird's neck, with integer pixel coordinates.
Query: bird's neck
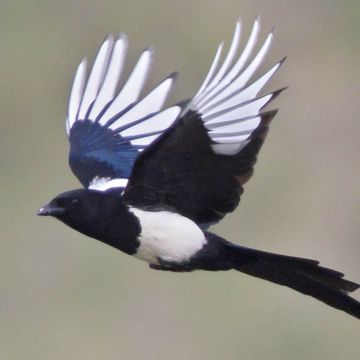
(115, 226)
(120, 229)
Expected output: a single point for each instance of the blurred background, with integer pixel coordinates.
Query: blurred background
(65, 296)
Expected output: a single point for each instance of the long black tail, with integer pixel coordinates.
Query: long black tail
(303, 275)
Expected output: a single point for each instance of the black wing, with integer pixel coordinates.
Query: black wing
(199, 165)
(107, 127)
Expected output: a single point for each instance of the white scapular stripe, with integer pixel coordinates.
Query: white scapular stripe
(167, 236)
(227, 102)
(105, 183)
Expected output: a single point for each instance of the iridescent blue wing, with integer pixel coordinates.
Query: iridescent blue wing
(110, 125)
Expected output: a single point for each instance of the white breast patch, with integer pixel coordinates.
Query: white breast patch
(166, 235)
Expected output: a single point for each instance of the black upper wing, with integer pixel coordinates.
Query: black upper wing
(182, 171)
(198, 166)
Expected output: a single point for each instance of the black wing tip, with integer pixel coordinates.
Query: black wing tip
(341, 284)
(281, 62)
(351, 286)
(183, 103)
(273, 31)
(107, 37)
(174, 75)
(121, 35)
(274, 95)
(149, 49)
(267, 116)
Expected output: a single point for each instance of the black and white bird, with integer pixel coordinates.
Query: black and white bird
(156, 178)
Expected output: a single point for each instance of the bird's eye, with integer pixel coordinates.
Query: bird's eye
(75, 202)
(60, 202)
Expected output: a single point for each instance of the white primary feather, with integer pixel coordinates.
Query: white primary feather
(211, 72)
(241, 80)
(235, 69)
(228, 60)
(149, 129)
(158, 122)
(245, 54)
(111, 78)
(150, 104)
(96, 99)
(246, 125)
(237, 139)
(228, 104)
(132, 88)
(222, 112)
(229, 148)
(76, 94)
(96, 77)
(223, 89)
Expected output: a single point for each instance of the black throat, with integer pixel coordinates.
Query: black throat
(108, 220)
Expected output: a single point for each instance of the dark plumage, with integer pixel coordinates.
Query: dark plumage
(155, 179)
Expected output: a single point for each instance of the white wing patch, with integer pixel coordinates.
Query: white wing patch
(105, 183)
(132, 89)
(111, 78)
(227, 101)
(76, 95)
(97, 98)
(150, 104)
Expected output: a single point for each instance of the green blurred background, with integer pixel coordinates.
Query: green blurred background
(64, 296)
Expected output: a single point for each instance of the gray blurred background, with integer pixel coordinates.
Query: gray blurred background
(65, 296)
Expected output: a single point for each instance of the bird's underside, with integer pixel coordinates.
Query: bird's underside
(156, 178)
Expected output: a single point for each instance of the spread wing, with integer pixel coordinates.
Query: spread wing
(109, 127)
(198, 166)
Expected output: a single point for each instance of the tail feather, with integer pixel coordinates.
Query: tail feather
(303, 275)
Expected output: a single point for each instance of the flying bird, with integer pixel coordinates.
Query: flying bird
(156, 178)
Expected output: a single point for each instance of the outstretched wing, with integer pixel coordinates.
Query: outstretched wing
(199, 165)
(107, 127)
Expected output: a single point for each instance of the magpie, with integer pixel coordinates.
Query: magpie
(156, 178)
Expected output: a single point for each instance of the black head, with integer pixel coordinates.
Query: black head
(86, 210)
(98, 214)
(72, 203)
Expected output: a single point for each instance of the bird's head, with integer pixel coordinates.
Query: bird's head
(88, 211)
(99, 214)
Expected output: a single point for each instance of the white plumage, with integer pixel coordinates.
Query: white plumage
(228, 104)
(97, 98)
(167, 236)
(227, 100)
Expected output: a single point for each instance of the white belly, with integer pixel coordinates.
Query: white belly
(166, 235)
